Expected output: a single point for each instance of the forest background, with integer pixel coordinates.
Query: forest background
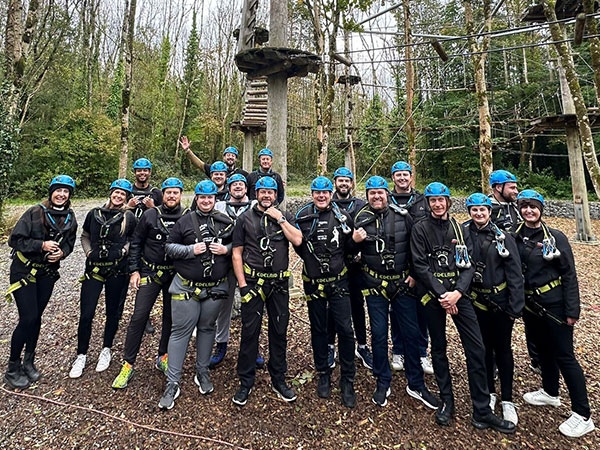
(72, 78)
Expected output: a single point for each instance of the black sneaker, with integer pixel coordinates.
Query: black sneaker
(365, 356)
(331, 356)
(324, 385)
(241, 396)
(495, 422)
(284, 392)
(444, 413)
(149, 329)
(347, 394)
(424, 396)
(172, 391)
(380, 395)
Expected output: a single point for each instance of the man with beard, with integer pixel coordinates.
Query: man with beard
(151, 272)
(505, 213)
(265, 160)
(343, 179)
(260, 261)
(230, 156)
(145, 196)
(218, 175)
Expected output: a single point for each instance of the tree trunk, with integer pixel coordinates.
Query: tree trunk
(129, 24)
(350, 159)
(583, 121)
(592, 30)
(485, 129)
(410, 90)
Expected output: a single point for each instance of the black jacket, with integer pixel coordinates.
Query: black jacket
(414, 202)
(150, 191)
(257, 175)
(496, 269)
(351, 205)
(538, 272)
(429, 238)
(504, 215)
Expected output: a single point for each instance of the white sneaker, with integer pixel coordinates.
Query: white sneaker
(493, 401)
(576, 426)
(78, 367)
(195, 332)
(541, 398)
(509, 412)
(103, 360)
(398, 362)
(426, 365)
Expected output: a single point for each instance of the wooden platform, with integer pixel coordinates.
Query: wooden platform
(565, 9)
(352, 79)
(265, 61)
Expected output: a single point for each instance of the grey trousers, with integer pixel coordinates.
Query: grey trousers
(224, 317)
(187, 315)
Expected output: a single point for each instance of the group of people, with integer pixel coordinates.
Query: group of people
(400, 251)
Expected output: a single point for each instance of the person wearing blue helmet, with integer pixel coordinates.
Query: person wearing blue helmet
(200, 246)
(404, 195)
(106, 236)
(505, 212)
(265, 163)
(327, 238)
(43, 236)
(343, 181)
(151, 273)
(218, 175)
(497, 295)
(260, 261)
(230, 156)
(552, 308)
(144, 195)
(382, 235)
(442, 265)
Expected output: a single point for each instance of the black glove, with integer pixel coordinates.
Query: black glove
(244, 290)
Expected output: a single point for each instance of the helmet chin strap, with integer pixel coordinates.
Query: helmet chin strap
(502, 193)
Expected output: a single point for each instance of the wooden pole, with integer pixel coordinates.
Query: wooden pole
(248, 151)
(349, 159)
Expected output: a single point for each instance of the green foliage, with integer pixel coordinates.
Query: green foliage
(113, 106)
(9, 145)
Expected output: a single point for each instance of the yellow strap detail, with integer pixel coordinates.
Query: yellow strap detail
(545, 288)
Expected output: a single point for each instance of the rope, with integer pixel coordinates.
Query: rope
(119, 419)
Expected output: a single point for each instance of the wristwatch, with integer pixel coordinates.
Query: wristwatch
(281, 220)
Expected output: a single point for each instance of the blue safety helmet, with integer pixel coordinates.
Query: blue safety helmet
(437, 189)
(231, 150)
(265, 152)
(62, 181)
(343, 172)
(321, 184)
(266, 183)
(530, 194)
(236, 177)
(218, 166)
(401, 165)
(122, 184)
(142, 163)
(206, 187)
(376, 182)
(478, 199)
(501, 177)
(172, 183)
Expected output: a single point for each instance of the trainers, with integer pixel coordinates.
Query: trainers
(493, 401)
(541, 398)
(426, 365)
(260, 362)
(124, 376)
(78, 366)
(203, 382)
(509, 412)
(241, 396)
(149, 329)
(103, 360)
(162, 363)
(218, 355)
(424, 396)
(494, 422)
(347, 393)
(444, 413)
(284, 392)
(381, 395)
(172, 391)
(324, 385)
(331, 356)
(576, 426)
(398, 362)
(365, 356)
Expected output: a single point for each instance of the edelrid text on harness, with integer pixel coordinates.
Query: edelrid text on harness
(276, 280)
(321, 283)
(389, 285)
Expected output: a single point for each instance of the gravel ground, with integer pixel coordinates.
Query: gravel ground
(88, 413)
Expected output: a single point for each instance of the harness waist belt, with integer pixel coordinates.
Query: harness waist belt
(155, 267)
(381, 276)
(493, 290)
(545, 288)
(272, 275)
(445, 274)
(28, 262)
(200, 284)
(327, 280)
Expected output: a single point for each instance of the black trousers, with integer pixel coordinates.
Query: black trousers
(496, 330)
(470, 336)
(554, 343)
(114, 296)
(334, 307)
(357, 305)
(31, 300)
(278, 308)
(144, 301)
